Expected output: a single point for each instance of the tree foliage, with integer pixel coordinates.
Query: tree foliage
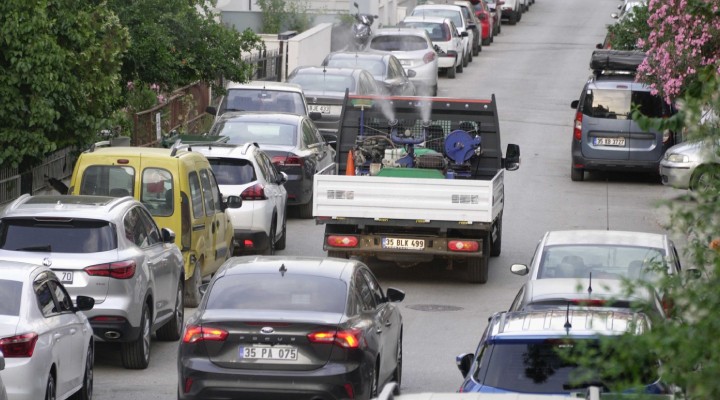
(59, 75)
(281, 15)
(625, 33)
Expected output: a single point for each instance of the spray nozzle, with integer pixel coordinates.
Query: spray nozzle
(393, 123)
(426, 124)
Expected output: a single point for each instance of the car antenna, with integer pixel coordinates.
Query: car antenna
(589, 289)
(567, 325)
(282, 270)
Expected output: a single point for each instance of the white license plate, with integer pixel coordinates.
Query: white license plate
(320, 109)
(405, 62)
(66, 277)
(609, 141)
(403, 244)
(281, 353)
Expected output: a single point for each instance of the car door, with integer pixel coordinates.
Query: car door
(217, 221)
(163, 274)
(646, 145)
(605, 123)
(274, 190)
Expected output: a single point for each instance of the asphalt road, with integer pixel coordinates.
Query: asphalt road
(535, 69)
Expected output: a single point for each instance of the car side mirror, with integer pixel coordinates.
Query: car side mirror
(283, 178)
(394, 295)
(411, 73)
(168, 236)
(234, 202)
(464, 34)
(519, 269)
(464, 362)
(512, 157)
(315, 116)
(84, 303)
(211, 110)
(574, 104)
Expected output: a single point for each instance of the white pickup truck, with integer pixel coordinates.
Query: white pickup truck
(425, 182)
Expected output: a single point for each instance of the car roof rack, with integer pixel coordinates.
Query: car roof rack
(615, 62)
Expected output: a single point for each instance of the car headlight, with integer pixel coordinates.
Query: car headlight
(677, 158)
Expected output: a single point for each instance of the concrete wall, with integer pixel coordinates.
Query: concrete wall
(309, 47)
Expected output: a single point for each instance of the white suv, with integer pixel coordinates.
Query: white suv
(455, 13)
(255, 193)
(262, 96)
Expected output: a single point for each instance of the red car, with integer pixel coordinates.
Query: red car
(487, 21)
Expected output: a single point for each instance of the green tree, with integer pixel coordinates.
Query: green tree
(625, 33)
(59, 75)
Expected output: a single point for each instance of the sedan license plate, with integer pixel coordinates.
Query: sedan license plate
(609, 141)
(320, 109)
(403, 244)
(279, 353)
(405, 62)
(66, 277)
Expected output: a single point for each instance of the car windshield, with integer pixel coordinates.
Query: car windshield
(263, 100)
(57, 235)
(455, 16)
(540, 366)
(108, 180)
(436, 31)
(398, 43)
(603, 261)
(618, 104)
(10, 295)
(229, 171)
(326, 82)
(288, 292)
(264, 132)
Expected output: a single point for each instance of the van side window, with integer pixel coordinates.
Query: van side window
(195, 194)
(157, 191)
(207, 192)
(215, 191)
(108, 180)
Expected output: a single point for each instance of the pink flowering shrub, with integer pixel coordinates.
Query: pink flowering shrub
(684, 37)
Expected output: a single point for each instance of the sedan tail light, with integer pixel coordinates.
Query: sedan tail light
(117, 270)
(429, 57)
(254, 192)
(197, 333)
(349, 338)
(577, 128)
(19, 346)
(290, 160)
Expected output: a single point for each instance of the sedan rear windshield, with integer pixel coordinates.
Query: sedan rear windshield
(399, 43)
(437, 32)
(10, 295)
(239, 132)
(263, 100)
(455, 16)
(603, 261)
(326, 82)
(57, 235)
(278, 293)
(232, 171)
(619, 104)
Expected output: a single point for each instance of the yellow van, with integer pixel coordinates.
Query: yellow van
(177, 185)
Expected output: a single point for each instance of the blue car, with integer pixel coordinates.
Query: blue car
(519, 351)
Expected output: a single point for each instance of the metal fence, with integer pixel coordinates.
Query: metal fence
(58, 165)
(268, 64)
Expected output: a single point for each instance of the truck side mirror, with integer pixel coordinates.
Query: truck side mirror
(512, 157)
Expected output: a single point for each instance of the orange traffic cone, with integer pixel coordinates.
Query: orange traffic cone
(350, 165)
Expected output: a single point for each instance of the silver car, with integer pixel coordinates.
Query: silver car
(691, 165)
(47, 342)
(414, 49)
(109, 249)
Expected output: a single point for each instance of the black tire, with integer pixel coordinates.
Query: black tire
(172, 330)
(477, 49)
(337, 254)
(86, 391)
(477, 269)
(496, 245)
(434, 90)
(397, 374)
(704, 177)
(486, 42)
(374, 382)
(270, 249)
(514, 18)
(577, 174)
(305, 210)
(499, 28)
(50, 388)
(282, 242)
(192, 288)
(460, 68)
(469, 58)
(136, 354)
(451, 73)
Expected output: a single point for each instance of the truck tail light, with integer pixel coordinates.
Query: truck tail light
(577, 127)
(342, 241)
(463, 245)
(254, 192)
(117, 270)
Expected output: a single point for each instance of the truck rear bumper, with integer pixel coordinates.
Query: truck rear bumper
(406, 247)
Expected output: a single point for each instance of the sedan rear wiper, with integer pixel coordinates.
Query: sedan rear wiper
(45, 247)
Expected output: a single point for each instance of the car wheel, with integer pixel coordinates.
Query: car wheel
(577, 174)
(451, 73)
(704, 178)
(397, 374)
(499, 28)
(85, 392)
(136, 354)
(477, 269)
(282, 242)
(172, 330)
(496, 245)
(305, 210)
(514, 18)
(270, 250)
(486, 42)
(468, 58)
(477, 49)
(192, 288)
(50, 388)
(374, 381)
(461, 67)
(434, 90)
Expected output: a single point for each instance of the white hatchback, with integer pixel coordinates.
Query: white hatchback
(446, 39)
(255, 193)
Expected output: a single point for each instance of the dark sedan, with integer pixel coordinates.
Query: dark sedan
(384, 67)
(291, 141)
(292, 328)
(324, 89)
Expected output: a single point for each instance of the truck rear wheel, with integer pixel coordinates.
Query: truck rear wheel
(496, 245)
(477, 270)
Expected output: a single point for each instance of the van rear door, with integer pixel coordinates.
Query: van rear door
(646, 145)
(606, 123)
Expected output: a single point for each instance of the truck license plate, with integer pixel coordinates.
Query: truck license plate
(403, 244)
(320, 109)
(282, 353)
(609, 141)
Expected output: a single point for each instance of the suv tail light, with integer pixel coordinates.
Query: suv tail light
(117, 270)
(429, 57)
(254, 192)
(196, 333)
(577, 128)
(19, 346)
(290, 160)
(349, 338)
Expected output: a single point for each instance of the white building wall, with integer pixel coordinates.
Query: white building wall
(309, 47)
